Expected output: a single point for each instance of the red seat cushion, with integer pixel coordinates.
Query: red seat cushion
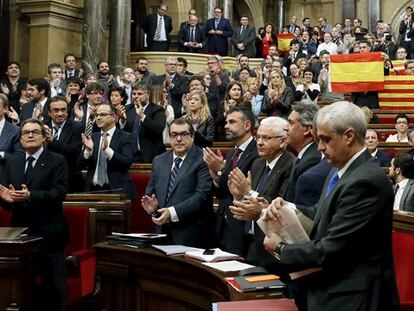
(140, 221)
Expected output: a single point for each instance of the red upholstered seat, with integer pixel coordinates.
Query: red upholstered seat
(5, 218)
(80, 278)
(403, 244)
(140, 221)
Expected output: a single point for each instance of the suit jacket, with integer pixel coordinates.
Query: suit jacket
(83, 122)
(224, 215)
(310, 158)
(177, 89)
(149, 25)
(407, 198)
(290, 60)
(247, 37)
(204, 135)
(218, 43)
(27, 112)
(9, 144)
(150, 131)
(384, 159)
(309, 187)
(276, 186)
(69, 145)
(48, 185)
(117, 168)
(184, 36)
(351, 242)
(190, 196)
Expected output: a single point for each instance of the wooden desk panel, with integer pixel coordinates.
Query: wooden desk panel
(145, 279)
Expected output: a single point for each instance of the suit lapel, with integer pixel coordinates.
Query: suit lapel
(64, 132)
(256, 177)
(165, 173)
(184, 167)
(404, 195)
(40, 163)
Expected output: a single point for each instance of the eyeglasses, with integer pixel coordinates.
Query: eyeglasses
(266, 138)
(33, 132)
(138, 93)
(103, 114)
(183, 135)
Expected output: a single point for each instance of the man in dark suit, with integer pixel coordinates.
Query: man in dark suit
(70, 68)
(402, 172)
(243, 38)
(38, 91)
(218, 29)
(64, 137)
(294, 54)
(12, 83)
(239, 127)
(371, 142)
(300, 138)
(158, 27)
(175, 84)
(146, 122)
(84, 113)
(33, 188)
(9, 136)
(350, 247)
(178, 195)
(108, 154)
(269, 177)
(192, 38)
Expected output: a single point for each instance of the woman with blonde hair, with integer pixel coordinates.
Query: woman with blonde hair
(159, 97)
(252, 95)
(278, 97)
(199, 114)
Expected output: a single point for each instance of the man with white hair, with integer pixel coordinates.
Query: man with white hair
(269, 179)
(348, 260)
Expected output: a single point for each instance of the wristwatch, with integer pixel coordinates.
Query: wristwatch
(278, 250)
(219, 172)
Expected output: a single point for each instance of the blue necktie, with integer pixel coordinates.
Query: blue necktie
(173, 175)
(332, 183)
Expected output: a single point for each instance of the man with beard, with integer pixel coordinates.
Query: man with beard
(142, 73)
(38, 91)
(239, 128)
(402, 172)
(104, 76)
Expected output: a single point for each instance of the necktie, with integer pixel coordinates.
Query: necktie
(235, 158)
(29, 167)
(261, 185)
(216, 23)
(332, 183)
(56, 134)
(101, 164)
(157, 36)
(173, 175)
(135, 131)
(89, 126)
(242, 29)
(192, 36)
(36, 110)
(396, 189)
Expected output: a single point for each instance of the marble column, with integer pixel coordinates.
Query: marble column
(119, 34)
(94, 32)
(374, 11)
(211, 4)
(348, 9)
(281, 7)
(228, 9)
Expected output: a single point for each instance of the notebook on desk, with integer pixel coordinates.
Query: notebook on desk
(11, 233)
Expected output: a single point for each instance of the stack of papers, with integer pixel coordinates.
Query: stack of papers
(175, 249)
(218, 255)
(228, 266)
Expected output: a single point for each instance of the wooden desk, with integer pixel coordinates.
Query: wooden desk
(145, 279)
(403, 221)
(16, 273)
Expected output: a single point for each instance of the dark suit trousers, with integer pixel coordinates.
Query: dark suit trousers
(52, 294)
(159, 46)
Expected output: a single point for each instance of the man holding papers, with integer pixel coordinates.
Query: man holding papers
(350, 243)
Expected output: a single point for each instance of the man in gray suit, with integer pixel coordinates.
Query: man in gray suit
(178, 195)
(348, 262)
(243, 38)
(402, 171)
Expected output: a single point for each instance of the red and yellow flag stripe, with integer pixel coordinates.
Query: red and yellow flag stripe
(398, 93)
(359, 72)
(283, 42)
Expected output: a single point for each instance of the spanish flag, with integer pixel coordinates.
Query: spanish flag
(283, 42)
(398, 93)
(359, 72)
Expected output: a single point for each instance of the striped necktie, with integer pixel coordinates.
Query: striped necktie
(101, 163)
(56, 134)
(173, 175)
